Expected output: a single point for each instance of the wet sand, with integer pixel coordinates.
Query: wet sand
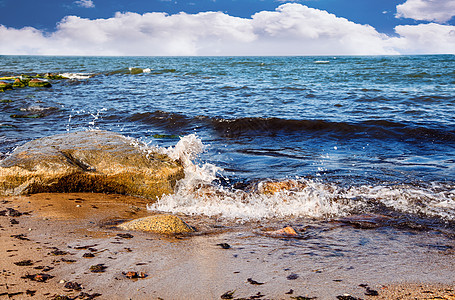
(67, 245)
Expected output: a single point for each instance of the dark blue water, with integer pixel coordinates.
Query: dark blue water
(349, 121)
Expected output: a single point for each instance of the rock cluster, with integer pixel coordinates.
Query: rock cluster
(38, 80)
(88, 161)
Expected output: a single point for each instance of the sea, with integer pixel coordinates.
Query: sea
(338, 136)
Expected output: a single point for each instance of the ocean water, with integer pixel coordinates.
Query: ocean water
(348, 135)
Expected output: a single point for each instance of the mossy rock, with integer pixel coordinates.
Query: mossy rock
(38, 83)
(164, 224)
(5, 86)
(19, 83)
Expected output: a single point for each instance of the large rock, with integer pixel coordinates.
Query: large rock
(88, 161)
(164, 224)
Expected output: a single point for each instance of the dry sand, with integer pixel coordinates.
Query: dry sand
(58, 232)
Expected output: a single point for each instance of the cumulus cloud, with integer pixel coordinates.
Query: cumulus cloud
(427, 10)
(85, 3)
(292, 29)
(426, 38)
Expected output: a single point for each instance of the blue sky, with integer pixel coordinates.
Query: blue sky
(233, 27)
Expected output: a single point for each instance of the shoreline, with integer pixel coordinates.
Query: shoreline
(57, 230)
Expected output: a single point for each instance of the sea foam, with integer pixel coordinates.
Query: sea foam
(77, 75)
(197, 194)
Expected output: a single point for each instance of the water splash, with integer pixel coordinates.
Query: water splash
(197, 194)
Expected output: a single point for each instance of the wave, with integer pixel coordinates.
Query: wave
(198, 194)
(136, 70)
(378, 129)
(162, 119)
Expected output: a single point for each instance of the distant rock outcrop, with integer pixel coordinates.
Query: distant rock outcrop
(88, 161)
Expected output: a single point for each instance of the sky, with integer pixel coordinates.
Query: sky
(226, 27)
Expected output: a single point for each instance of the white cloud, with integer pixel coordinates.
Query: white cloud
(427, 10)
(292, 29)
(85, 3)
(426, 38)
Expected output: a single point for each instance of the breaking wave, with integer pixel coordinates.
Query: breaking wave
(199, 194)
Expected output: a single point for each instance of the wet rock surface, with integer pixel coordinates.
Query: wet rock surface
(89, 161)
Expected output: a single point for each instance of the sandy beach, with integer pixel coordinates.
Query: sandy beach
(66, 246)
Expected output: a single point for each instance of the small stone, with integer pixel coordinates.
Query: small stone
(292, 276)
(347, 297)
(371, 292)
(228, 295)
(41, 277)
(125, 235)
(58, 252)
(73, 286)
(134, 275)
(287, 231)
(99, 268)
(23, 263)
(254, 282)
(224, 245)
(165, 224)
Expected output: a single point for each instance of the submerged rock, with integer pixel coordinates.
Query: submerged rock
(165, 224)
(287, 231)
(90, 161)
(272, 187)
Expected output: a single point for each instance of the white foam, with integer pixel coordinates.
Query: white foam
(76, 75)
(197, 195)
(312, 201)
(435, 201)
